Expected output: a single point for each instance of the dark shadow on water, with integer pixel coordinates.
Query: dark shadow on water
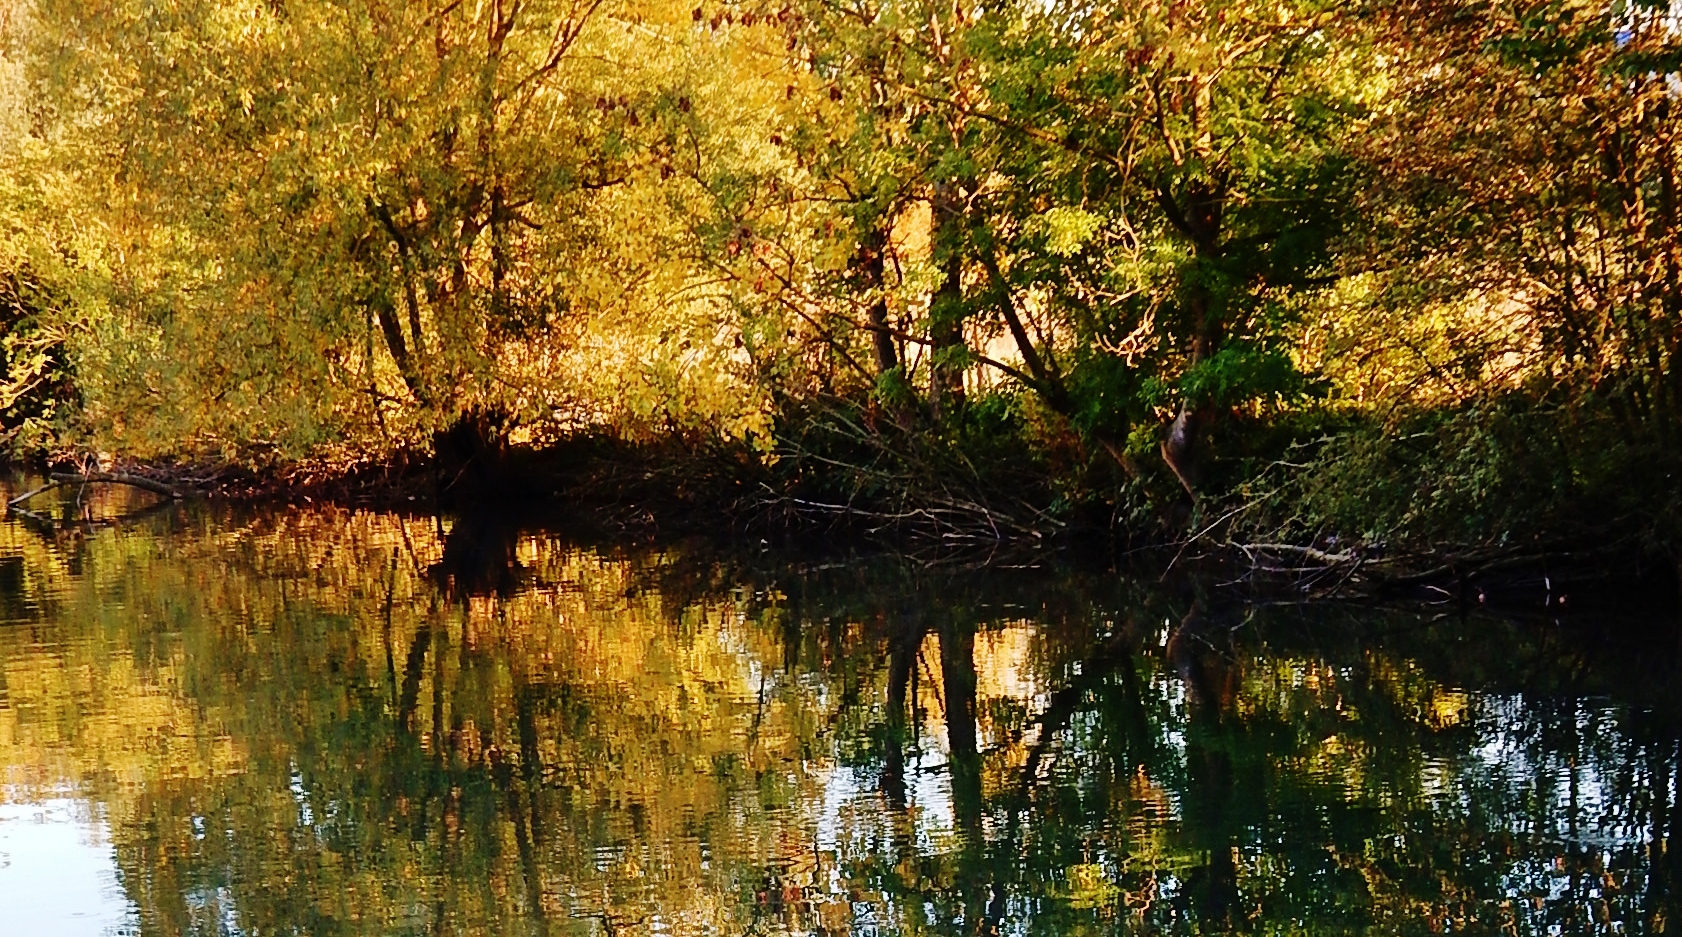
(481, 555)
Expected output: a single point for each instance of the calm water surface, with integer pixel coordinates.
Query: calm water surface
(332, 723)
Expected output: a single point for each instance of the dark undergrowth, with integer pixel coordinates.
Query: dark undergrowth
(1501, 495)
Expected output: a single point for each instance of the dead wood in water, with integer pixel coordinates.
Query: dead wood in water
(15, 506)
(1467, 575)
(119, 478)
(17, 503)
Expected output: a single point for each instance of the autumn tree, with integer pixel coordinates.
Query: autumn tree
(1186, 184)
(1541, 184)
(341, 217)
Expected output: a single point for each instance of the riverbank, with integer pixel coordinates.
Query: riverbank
(1002, 508)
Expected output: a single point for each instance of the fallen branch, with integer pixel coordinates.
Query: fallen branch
(120, 478)
(1200, 535)
(1314, 553)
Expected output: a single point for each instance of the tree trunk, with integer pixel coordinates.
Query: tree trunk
(946, 308)
(1180, 449)
(902, 660)
(409, 698)
(958, 678)
(1209, 682)
(873, 268)
(392, 331)
(1199, 220)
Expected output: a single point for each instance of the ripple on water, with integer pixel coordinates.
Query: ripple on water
(286, 723)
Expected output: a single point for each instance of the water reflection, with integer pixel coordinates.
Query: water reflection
(319, 722)
(55, 872)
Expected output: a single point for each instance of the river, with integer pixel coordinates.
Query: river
(318, 721)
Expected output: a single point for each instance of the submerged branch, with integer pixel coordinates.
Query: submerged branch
(18, 502)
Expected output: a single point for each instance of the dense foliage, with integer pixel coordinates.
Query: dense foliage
(1391, 270)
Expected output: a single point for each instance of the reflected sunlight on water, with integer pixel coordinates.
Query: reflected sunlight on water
(57, 872)
(328, 722)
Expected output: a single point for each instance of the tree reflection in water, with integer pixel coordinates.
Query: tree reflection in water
(327, 723)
